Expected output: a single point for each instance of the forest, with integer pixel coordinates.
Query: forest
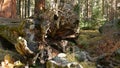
(59, 33)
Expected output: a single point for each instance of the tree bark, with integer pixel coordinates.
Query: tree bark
(13, 10)
(1, 4)
(28, 8)
(8, 8)
(39, 6)
(103, 7)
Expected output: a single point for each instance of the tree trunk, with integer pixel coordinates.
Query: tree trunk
(18, 8)
(1, 4)
(13, 7)
(8, 8)
(28, 8)
(103, 7)
(25, 8)
(39, 6)
(111, 10)
(87, 5)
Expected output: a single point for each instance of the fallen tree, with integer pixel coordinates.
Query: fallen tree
(48, 31)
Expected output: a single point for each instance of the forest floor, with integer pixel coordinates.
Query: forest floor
(89, 38)
(88, 41)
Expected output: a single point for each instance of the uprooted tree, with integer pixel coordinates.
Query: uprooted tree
(50, 30)
(53, 28)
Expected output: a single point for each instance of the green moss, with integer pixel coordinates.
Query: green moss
(15, 55)
(71, 57)
(53, 65)
(117, 57)
(88, 65)
(11, 31)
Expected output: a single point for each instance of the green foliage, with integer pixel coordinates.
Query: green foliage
(117, 23)
(88, 65)
(76, 8)
(95, 20)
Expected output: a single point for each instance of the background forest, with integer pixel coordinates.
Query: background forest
(92, 13)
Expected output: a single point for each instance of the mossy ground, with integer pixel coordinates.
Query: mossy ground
(87, 41)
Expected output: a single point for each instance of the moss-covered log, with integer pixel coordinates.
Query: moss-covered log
(11, 31)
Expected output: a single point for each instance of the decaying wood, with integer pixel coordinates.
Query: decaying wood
(8, 20)
(49, 28)
(61, 26)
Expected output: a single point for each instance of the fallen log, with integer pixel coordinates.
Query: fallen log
(49, 28)
(9, 20)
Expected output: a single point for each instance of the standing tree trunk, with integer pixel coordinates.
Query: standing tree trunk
(13, 9)
(8, 8)
(18, 8)
(103, 7)
(28, 6)
(25, 8)
(39, 6)
(87, 5)
(1, 4)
